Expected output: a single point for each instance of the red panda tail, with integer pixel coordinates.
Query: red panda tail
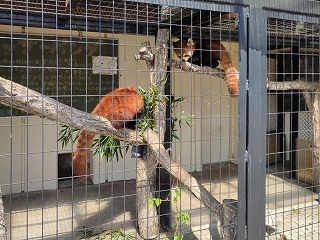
(81, 155)
(230, 71)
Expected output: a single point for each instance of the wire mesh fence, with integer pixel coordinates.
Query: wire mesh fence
(142, 120)
(292, 184)
(62, 182)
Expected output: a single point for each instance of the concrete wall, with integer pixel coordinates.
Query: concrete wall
(214, 136)
(29, 148)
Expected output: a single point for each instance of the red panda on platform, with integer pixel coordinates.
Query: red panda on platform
(209, 53)
(122, 107)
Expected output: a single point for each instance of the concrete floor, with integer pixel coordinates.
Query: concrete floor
(67, 212)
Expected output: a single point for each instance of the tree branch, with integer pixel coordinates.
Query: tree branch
(293, 85)
(188, 67)
(146, 54)
(19, 97)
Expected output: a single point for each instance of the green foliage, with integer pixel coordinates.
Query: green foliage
(181, 217)
(156, 201)
(95, 234)
(175, 120)
(151, 100)
(109, 147)
(178, 236)
(102, 234)
(119, 234)
(65, 135)
(106, 146)
(178, 194)
(296, 211)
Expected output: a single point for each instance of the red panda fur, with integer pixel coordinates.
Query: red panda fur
(118, 107)
(185, 48)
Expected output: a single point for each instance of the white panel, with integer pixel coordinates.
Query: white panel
(11, 155)
(124, 169)
(41, 158)
(97, 169)
(214, 136)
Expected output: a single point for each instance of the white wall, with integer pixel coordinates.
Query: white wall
(214, 136)
(11, 155)
(29, 144)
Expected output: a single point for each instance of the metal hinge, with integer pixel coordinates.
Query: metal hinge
(246, 156)
(247, 85)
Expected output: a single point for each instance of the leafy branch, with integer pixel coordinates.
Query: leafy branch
(109, 147)
(175, 120)
(66, 134)
(106, 146)
(151, 99)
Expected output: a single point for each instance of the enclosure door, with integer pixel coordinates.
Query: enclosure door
(292, 181)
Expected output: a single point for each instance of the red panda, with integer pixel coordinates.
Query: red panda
(122, 107)
(208, 53)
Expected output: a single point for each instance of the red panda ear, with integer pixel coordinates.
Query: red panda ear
(190, 42)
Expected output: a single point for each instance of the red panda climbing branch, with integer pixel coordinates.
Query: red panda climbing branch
(208, 53)
(122, 107)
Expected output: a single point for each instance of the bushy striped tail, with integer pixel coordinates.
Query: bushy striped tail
(81, 155)
(232, 79)
(230, 71)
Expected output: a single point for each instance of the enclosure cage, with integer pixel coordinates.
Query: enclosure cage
(159, 119)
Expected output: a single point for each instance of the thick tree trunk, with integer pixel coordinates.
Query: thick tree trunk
(3, 229)
(148, 220)
(316, 143)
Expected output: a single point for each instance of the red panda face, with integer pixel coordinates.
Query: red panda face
(184, 49)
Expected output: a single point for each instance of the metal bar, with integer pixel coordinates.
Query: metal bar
(222, 7)
(48, 21)
(297, 6)
(242, 167)
(257, 104)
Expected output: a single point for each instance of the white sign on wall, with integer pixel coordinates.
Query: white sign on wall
(104, 65)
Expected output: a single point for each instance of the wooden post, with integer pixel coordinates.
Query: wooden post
(3, 229)
(316, 143)
(148, 220)
(313, 106)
